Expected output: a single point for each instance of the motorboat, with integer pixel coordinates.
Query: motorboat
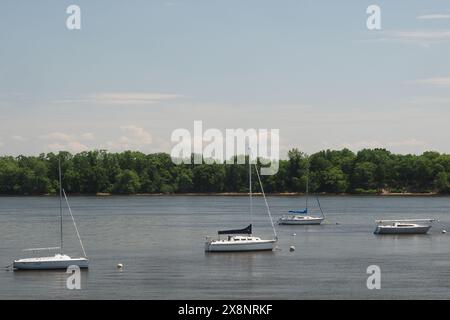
(408, 226)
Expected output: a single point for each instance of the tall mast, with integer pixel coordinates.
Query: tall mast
(60, 205)
(307, 183)
(250, 185)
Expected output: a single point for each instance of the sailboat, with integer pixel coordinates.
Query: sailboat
(301, 217)
(59, 260)
(239, 240)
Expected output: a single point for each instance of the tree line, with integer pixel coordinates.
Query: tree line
(368, 171)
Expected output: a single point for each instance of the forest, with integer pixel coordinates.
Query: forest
(369, 171)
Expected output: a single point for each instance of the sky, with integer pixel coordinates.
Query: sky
(138, 70)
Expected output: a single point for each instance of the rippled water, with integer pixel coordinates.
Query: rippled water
(159, 239)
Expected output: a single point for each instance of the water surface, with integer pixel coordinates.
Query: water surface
(160, 242)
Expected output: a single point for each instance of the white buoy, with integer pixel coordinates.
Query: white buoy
(292, 248)
(119, 266)
(444, 231)
(294, 234)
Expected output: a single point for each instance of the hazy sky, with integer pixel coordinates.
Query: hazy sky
(137, 70)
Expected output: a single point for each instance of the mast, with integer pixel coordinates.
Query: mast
(60, 205)
(307, 183)
(250, 185)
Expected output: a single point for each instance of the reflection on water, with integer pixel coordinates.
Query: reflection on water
(52, 277)
(160, 242)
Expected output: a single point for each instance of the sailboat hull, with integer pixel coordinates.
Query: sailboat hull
(233, 246)
(402, 230)
(50, 263)
(300, 220)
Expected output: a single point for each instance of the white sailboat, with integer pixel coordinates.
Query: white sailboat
(405, 226)
(59, 260)
(294, 218)
(301, 217)
(239, 240)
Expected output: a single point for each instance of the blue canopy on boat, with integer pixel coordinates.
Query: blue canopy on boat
(299, 211)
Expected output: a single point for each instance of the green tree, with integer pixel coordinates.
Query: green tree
(334, 180)
(209, 178)
(127, 182)
(364, 176)
(442, 182)
(297, 171)
(10, 182)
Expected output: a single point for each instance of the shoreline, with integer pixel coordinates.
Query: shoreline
(239, 194)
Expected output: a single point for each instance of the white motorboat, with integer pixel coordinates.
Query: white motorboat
(242, 239)
(403, 226)
(59, 260)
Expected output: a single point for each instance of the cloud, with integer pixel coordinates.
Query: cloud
(19, 138)
(434, 16)
(137, 134)
(372, 144)
(60, 136)
(357, 145)
(64, 142)
(430, 100)
(413, 142)
(73, 146)
(132, 98)
(442, 82)
(133, 138)
(87, 136)
(420, 37)
(122, 98)
(55, 147)
(76, 146)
